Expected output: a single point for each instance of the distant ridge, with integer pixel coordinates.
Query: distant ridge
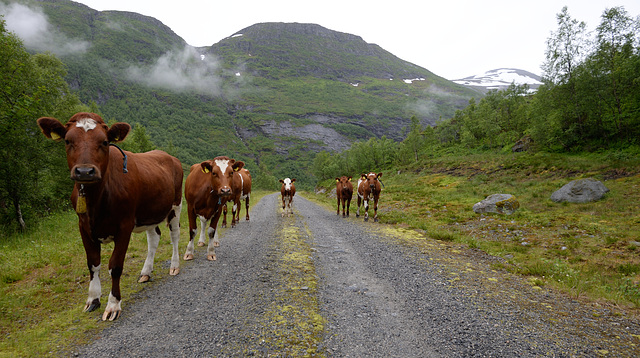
(500, 79)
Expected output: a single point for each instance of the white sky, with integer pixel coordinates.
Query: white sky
(452, 38)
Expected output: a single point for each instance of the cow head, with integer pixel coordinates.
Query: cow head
(221, 173)
(371, 180)
(87, 140)
(287, 184)
(343, 183)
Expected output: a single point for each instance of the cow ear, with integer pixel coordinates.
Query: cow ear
(363, 176)
(206, 167)
(349, 178)
(379, 175)
(282, 181)
(292, 180)
(337, 179)
(238, 165)
(118, 132)
(52, 128)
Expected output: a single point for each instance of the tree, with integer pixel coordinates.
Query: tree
(32, 86)
(138, 141)
(414, 141)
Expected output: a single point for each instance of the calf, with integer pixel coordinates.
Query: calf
(287, 191)
(369, 187)
(207, 189)
(241, 190)
(344, 193)
(117, 193)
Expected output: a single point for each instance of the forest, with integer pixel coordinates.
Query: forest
(590, 102)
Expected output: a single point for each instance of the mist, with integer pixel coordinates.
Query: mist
(33, 28)
(185, 70)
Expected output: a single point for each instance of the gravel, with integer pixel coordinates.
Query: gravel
(382, 293)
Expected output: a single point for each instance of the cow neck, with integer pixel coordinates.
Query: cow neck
(88, 195)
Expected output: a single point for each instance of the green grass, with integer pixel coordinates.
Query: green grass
(585, 250)
(44, 283)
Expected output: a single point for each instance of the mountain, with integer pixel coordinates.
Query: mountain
(501, 79)
(271, 94)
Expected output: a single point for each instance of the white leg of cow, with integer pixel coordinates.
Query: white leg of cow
(95, 290)
(366, 210)
(153, 238)
(211, 250)
(174, 227)
(203, 235)
(113, 309)
(188, 254)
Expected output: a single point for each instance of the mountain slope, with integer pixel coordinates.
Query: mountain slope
(272, 94)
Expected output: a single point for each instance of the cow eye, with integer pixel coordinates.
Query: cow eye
(105, 143)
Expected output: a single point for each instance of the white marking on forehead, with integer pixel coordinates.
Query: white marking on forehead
(287, 183)
(374, 174)
(223, 164)
(87, 124)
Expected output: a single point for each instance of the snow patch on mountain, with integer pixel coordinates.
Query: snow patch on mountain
(501, 79)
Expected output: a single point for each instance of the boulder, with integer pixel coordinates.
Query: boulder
(497, 203)
(580, 191)
(524, 144)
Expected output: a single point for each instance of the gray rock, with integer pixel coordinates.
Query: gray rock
(580, 191)
(497, 203)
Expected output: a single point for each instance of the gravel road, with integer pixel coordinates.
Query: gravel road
(379, 292)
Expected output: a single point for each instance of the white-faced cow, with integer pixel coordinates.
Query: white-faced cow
(241, 190)
(207, 189)
(287, 191)
(344, 193)
(117, 193)
(369, 188)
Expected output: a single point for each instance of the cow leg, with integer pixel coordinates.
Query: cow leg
(174, 228)
(224, 216)
(366, 209)
(246, 204)
(153, 238)
(283, 205)
(203, 236)
(375, 208)
(116, 265)
(213, 240)
(338, 210)
(348, 204)
(193, 231)
(358, 210)
(92, 250)
(235, 215)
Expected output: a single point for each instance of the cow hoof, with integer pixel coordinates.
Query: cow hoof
(282, 214)
(366, 219)
(188, 257)
(223, 225)
(111, 316)
(200, 243)
(144, 278)
(216, 244)
(211, 257)
(90, 307)
(174, 271)
(375, 220)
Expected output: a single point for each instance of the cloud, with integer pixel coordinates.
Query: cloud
(185, 70)
(33, 28)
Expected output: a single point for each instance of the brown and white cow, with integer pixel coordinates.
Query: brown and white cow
(241, 190)
(112, 203)
(287, 191)
(207, 189)
(344, 193)
(369, 188)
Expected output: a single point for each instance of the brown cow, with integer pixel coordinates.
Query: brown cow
(117, 193)
(287, 191)
(369, 187)
(344, 193)
(207, 189)
(241, 190)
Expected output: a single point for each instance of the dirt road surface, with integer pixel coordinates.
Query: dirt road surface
(315, 284)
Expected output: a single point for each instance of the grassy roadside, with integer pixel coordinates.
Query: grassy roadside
(585, 250)
(44, 283)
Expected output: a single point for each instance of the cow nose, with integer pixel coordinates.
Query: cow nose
(84, 173)
(225, 191)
